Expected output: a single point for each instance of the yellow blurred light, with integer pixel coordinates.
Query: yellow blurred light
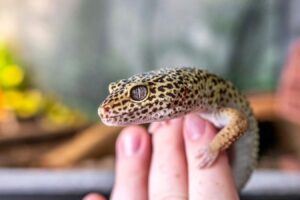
(25, 104)
(13, 99)
(11, 76)
(3, 61)
(31, 104)
(61, 115)
(2, 102)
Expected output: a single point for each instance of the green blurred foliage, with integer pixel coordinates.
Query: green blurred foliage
(27, 103)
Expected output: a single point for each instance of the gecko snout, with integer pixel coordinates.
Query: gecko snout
(103, 111)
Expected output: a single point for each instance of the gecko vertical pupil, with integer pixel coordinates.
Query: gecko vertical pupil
(139, 92)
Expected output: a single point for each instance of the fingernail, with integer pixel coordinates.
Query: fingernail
(194, 127)
(92, 196)
(131, 144)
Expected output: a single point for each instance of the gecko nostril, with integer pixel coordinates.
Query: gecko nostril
(103, 110)
(106, 109)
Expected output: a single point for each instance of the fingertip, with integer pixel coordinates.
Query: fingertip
(93, 196)
(132, 166)
(168, 177)
(132, 140)
(132, 130)
(198, 133)
(198, 130)
(167, 124)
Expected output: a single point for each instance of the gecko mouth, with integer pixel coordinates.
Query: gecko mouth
(122, 120)
(115, 116)
(128, 118)
(105, 115)
(110, 121)
(114, 120)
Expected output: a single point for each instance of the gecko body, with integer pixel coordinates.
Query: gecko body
(173, 92)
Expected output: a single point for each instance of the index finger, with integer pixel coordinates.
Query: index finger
(215, 182)
(168, 177)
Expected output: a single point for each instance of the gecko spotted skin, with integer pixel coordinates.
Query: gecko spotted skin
(173, 92)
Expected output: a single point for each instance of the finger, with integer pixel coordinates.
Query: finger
(215, 182)
(132, 167)
(93, 196)
(168, 175)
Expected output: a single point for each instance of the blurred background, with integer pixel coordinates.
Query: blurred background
(57, 58)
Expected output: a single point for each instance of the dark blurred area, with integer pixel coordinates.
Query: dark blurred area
(58, 57)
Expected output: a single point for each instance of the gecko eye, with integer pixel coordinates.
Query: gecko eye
(138, 92)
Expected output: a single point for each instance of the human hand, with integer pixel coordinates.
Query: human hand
(169, 169)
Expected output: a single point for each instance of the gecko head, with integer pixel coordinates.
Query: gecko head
(144, 98)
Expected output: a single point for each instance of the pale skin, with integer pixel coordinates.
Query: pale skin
(168, 168)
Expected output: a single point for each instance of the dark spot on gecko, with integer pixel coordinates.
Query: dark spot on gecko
(161, 88)
(131, 113)
(160, 79)
(170, 94)
(114, 112)
(153, 90)
(222, 91)
(124, 101)
(151, 98)
(110, 100)
(214, 81)
(115, 105)
(161, 96)
(169, 86)
(150, 105)
(144, 111)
